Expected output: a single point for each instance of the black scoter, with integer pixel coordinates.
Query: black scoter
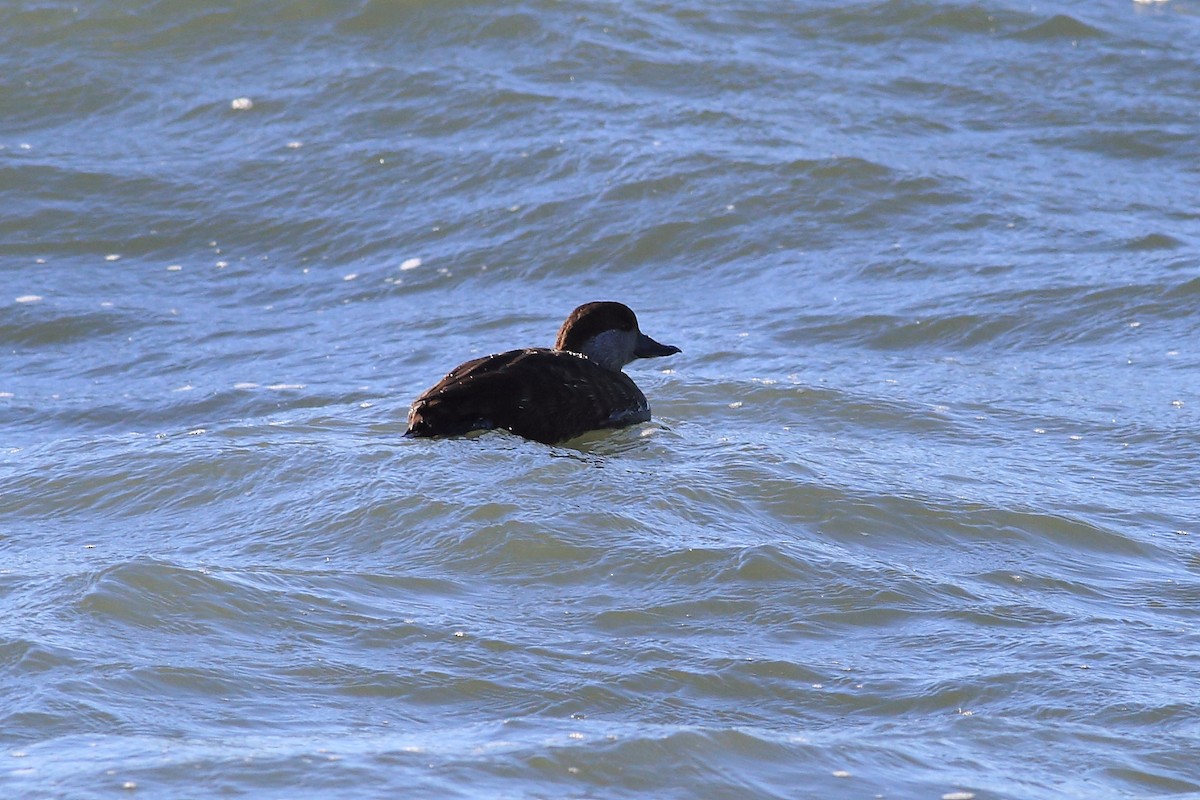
(548, 395)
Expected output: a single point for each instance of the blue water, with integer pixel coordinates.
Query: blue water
(916, 516)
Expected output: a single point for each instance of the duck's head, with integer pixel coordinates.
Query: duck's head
(608, 334)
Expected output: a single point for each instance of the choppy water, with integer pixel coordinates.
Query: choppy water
(917, 515)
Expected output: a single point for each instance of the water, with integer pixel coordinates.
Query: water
(917, 514)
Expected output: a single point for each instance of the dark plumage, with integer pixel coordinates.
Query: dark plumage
(547, 395)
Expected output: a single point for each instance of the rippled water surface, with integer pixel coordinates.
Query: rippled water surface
(917, 513)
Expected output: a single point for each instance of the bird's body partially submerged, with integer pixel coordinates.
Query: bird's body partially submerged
(542, 394)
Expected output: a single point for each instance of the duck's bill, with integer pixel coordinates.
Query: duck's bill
(648, 348)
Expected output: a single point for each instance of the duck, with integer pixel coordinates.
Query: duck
(548, 395)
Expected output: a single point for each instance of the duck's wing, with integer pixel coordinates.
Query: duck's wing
(545, 395)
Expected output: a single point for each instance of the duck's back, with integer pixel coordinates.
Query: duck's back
(545, 395)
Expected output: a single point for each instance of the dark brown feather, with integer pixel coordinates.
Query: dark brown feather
(545, 395)
(590, 319)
